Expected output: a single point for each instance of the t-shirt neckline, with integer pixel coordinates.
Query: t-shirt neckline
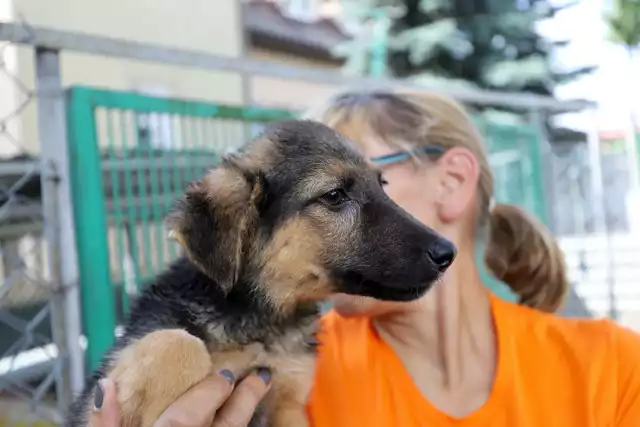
(498, 389)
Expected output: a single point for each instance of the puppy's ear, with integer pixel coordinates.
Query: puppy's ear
(215, 219)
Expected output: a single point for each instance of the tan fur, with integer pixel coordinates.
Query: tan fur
(326, 177)
(292, 264)
(292, 374)
(153, 372)
(230, 185)
(261, 156)
(226, 184)
(178, 237)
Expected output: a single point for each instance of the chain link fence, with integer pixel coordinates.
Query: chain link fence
(29, 363)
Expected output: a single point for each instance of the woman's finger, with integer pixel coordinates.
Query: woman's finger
(238, 410)
(105, 410)
(198, 406)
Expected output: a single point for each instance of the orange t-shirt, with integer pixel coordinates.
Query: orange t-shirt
(552, 372)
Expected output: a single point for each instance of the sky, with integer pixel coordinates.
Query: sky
(583, 24)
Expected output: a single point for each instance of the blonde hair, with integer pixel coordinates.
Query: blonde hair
(520, 251)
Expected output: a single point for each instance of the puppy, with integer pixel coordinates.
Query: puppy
(296, 215)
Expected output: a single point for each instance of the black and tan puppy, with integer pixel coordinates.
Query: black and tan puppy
(295, 216)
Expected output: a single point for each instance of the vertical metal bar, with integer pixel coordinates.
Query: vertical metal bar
(575, 306)
(202, 142)
(595, 163)
(177, 184)
(246, 79)
(599, 214)
(195, 146)
(544, 190)
(131, 225)
(154, 160)
(631, 139)
(59, 226)
(166, 168)
(187, 148)
(139, 158)
(117, 200)
(89, 213)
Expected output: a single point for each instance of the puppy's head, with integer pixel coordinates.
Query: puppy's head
(299, 214)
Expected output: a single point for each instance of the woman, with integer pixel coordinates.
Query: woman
(459, 356)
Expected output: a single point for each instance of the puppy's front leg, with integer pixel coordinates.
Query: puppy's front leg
(152, 372)
(289, 414)
(291, 388)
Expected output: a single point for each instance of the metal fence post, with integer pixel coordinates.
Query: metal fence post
(575, 305)
(58, 225)
(599, 212)
(537, 119)
(595, 164)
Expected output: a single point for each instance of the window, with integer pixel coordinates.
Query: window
(302, 9)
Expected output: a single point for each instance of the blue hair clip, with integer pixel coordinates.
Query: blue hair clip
(400, 157)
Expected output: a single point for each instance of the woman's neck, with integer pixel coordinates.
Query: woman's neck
(447, 339)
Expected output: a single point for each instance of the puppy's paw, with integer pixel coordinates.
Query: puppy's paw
(151, 373)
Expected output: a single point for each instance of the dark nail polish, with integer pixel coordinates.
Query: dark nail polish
(264, 375)
(228, 375)
(98, 397)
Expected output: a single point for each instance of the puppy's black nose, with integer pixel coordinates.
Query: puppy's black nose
(442, 252)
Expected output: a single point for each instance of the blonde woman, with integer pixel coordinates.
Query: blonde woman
(460, 356)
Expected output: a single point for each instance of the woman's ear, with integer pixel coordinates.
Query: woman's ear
(459, 173)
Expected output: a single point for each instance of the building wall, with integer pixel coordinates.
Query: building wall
(286, 92)
(205, 26)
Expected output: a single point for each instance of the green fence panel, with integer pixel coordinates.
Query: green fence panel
(90, 225)
(516, 162)
(515, 159)
(131, 155)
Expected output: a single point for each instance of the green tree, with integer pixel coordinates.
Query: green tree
(488, 44)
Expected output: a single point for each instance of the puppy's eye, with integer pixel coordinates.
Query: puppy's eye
(335, 197)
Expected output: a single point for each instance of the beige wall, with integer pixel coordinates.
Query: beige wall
(288, 93)
(206, 26)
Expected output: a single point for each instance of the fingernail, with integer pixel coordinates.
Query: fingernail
(264, 375)
(98, 397)
(228, 375)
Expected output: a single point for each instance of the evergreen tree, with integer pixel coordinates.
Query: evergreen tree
(488, 44)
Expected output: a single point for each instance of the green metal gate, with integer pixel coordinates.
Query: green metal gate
(131, 155)
(516, 160)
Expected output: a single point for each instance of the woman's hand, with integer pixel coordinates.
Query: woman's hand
(215, 402)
